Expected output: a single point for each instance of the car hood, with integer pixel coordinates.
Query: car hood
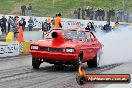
(68, 43)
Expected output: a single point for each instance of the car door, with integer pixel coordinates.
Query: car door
(92, 45)
(88, 47)
(95, 44)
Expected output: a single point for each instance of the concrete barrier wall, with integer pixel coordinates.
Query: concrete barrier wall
(24, 48)
(33, 35)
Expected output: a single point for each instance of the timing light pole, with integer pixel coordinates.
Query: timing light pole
(53, 3)
(123, 3)
(84, 3)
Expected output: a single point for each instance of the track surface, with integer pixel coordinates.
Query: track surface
(17, 72)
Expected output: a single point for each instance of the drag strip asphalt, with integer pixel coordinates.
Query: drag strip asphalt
(17, 72)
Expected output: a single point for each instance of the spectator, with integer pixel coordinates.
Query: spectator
(112, 15)
(108, 14)
(49, 23)
(30, 9)
(83, 13)
(126, 17)
(103, 14)
(9, 21)
(58, 21)
(17, 22)
(23, 24)
(30, 24)
(107, 27)
(53, 22)
(78, 13)
(90, 27)
(23, 9)
(44, 27)
(1, 24)
(100, 14)
(12, 24)
(4, 20)
(97, 14)
(60, 24)
(75, 14)
(87, 12)
(122, 15)
(16, 27)
(91, 11)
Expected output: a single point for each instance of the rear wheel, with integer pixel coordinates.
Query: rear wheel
(35, 63)
(93, 63)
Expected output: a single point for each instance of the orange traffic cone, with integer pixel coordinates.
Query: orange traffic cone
(20, 35)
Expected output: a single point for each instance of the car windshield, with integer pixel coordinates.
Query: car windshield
(77, 35)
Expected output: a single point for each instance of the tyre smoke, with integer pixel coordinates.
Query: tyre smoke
(117, 46)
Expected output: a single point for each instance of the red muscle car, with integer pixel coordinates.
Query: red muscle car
(66, 47)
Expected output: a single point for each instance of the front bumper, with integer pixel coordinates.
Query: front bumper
(56, 56)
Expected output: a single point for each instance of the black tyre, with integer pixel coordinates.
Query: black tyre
(35, 63)
(93, 63)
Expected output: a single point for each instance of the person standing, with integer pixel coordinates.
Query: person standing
(103, 14)
(9, 21)
(97, 14)
(4, 20)
(108, 14)
(83, 13)
(107, 27)
(23, 24)
(58, 21)
(78, 12)
(16, 27)
(1, 23)
(75, 14)
(53, 22)
(30, 9)
(30, 24)
(23, 9)
(49, 23)
(90, 27)
(91, 14)
(44, 27)
(87, 12)
(11, 24)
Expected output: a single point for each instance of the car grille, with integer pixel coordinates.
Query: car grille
(51, 49)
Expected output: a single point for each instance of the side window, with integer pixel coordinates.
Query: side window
(87, 37)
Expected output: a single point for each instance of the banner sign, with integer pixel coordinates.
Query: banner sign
(9, 49)
(66, 23)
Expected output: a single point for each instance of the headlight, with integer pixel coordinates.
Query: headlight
(34, 47)
(70, 50)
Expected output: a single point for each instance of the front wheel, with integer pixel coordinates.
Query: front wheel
(36, 63)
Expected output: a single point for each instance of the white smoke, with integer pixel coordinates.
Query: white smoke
(117, 46)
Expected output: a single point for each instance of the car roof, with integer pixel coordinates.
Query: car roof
(71, 29)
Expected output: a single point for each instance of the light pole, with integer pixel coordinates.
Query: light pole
(84, 3)
(123, 3)
(53, 3)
